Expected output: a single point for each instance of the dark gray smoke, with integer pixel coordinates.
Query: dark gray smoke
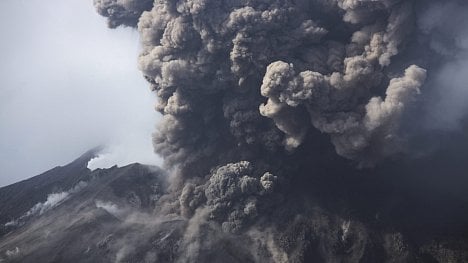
(253, 91)
(122, 12)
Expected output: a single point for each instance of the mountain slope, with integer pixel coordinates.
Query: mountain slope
(18, 198)
(72, 214)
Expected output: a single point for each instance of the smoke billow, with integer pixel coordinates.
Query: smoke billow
(253, 91)
(122, 12)
(53, 200)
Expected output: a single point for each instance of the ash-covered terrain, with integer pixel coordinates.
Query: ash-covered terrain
(292, 131)
(73, 214)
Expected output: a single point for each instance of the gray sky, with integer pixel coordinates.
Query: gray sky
(67, 84)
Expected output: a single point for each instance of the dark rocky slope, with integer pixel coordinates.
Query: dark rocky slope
(72, 214)
(81, 224)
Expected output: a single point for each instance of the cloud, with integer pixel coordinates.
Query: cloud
(52, 201)
(127, 149)
(110, 207)
(68, 84)
(122, 12)
(12, 253)
(442, 26)
(255, 94)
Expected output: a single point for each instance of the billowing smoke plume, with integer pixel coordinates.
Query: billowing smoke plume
(122, 12)
(321, 65)
(253, 91)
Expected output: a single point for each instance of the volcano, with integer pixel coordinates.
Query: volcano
(73, 214)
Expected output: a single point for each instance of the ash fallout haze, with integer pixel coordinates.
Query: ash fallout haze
(291, 131)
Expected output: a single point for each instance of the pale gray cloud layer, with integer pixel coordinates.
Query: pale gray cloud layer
(68, 83)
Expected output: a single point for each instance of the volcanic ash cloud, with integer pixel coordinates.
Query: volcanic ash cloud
(248, 87)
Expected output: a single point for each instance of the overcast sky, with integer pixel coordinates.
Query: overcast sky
(67, 84)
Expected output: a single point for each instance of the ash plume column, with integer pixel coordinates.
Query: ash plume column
(243, 84)
(196, 53)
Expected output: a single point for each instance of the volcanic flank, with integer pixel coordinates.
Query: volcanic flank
(72, 214)
(292, 131)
